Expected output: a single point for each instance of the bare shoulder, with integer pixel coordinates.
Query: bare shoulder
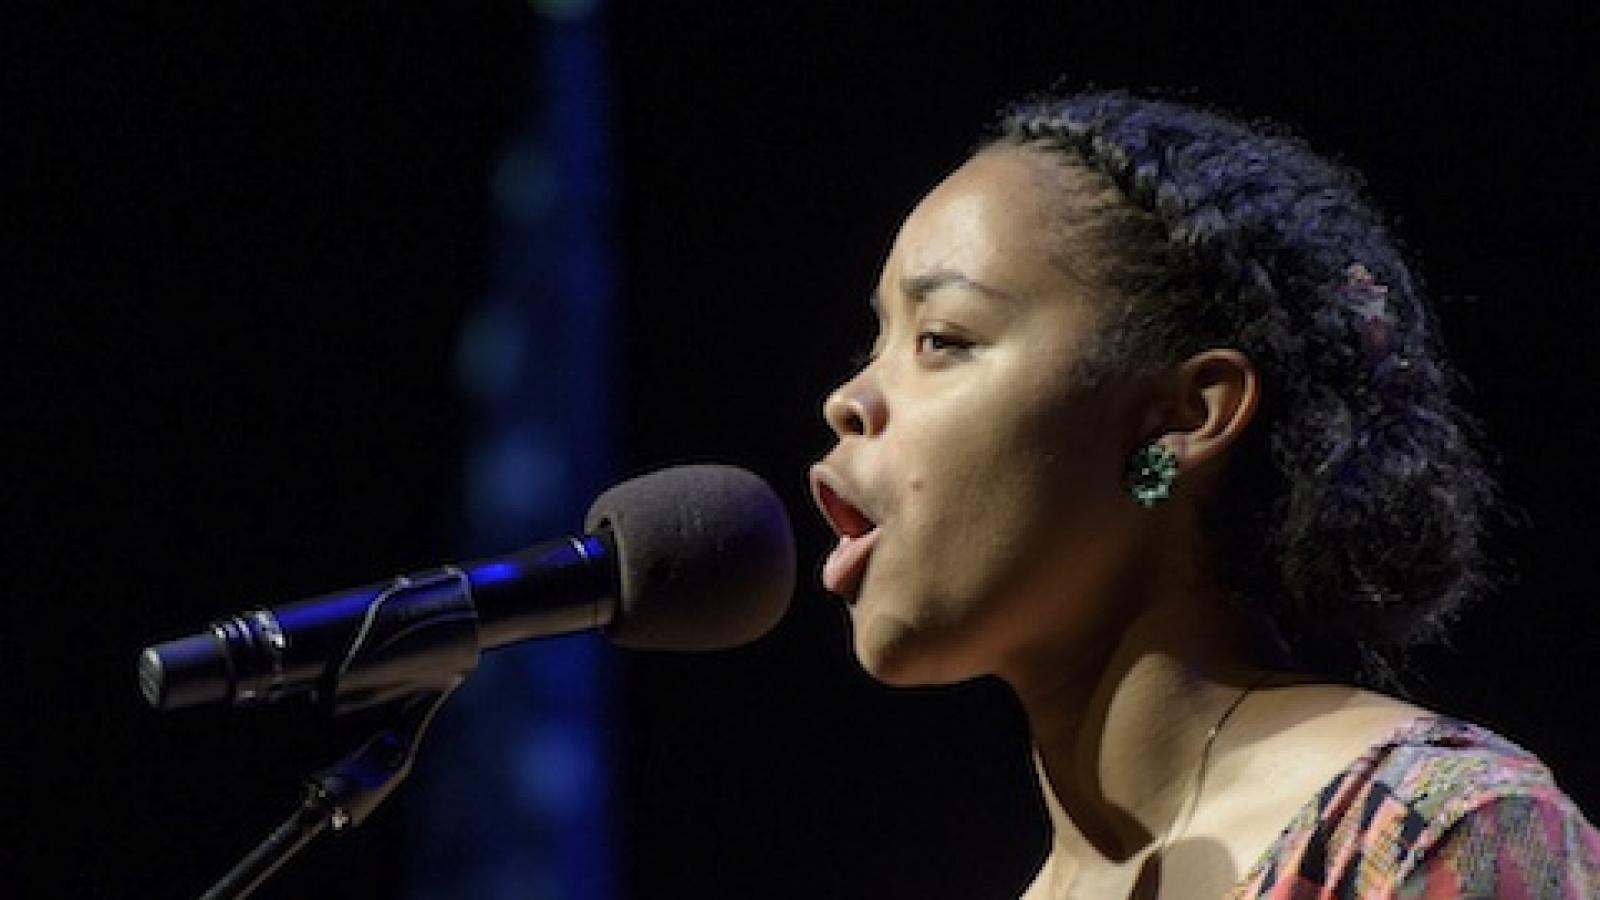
(1330, 724)
(1293, 743)
(1302, 736)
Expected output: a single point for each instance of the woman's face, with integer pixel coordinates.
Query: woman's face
(977, 482)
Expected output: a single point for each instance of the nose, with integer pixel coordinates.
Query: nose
(856, 408)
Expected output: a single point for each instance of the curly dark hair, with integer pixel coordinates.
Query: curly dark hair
(1352, 513)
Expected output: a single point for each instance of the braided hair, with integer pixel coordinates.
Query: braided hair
(1352, 512)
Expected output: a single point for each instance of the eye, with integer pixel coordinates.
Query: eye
(942, 343)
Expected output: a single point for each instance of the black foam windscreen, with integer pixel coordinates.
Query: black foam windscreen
(705, 557)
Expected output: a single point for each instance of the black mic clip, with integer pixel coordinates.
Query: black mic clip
(417, 642)
(419, 635)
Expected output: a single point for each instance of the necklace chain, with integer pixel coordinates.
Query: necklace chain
(1186, 812)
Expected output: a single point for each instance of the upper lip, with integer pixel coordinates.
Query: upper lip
(839, 504)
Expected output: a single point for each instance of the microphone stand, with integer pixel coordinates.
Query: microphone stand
(417, 643)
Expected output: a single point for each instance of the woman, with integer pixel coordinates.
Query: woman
(1156, 430)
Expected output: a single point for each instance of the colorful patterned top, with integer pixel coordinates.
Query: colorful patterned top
(1439, 809)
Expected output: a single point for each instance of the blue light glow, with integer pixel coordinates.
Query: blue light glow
(517, 802)
(494, 573)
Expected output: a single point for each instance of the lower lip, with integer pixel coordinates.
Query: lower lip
(847, 564)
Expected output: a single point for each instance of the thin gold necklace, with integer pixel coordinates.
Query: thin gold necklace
(1186, 812)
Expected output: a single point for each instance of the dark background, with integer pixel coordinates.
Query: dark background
(241, 239)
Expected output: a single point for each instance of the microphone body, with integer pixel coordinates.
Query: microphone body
(686, 558)
(266, 655)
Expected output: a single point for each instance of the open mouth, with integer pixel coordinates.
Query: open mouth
(846, 565)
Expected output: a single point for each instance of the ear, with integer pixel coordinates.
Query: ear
(1210, 399)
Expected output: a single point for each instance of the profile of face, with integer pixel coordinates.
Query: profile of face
(977, 482)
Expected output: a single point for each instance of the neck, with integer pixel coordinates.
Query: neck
(1118, 739)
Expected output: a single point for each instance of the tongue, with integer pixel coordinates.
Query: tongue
(841, 574)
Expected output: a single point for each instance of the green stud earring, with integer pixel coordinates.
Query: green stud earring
(1151, 474)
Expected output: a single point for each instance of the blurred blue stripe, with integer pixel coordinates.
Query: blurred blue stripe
(514, 800)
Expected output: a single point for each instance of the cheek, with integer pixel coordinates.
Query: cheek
(975, 512)
(1000, 479)
(1003, 515)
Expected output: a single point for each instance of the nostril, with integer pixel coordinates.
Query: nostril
(843, 415)
(855, 410)
(852, 422)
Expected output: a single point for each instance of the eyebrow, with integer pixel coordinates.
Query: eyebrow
(918, 287)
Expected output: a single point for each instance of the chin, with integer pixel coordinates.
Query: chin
(901, 654)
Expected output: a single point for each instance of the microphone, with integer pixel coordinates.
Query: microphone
(688, 558)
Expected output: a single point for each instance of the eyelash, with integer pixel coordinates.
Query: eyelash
(947, 344)
(943, 342)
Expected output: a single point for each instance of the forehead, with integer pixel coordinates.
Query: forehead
(993, 218)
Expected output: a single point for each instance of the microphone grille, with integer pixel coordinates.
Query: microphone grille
(705, 557)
